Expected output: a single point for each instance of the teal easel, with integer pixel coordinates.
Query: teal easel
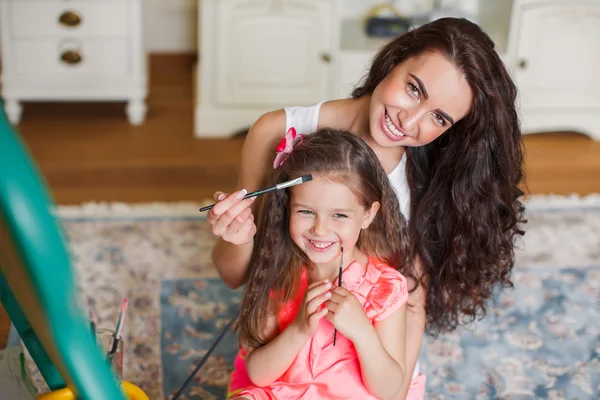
(36, 281)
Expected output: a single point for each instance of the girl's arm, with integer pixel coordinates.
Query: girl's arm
(267, 363)
(231, 215)
(382, 356)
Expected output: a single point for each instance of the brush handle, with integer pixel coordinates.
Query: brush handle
(279, 186)
(253, 194)
(339, 284)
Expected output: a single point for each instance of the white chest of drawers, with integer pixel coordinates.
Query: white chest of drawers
(73, 50)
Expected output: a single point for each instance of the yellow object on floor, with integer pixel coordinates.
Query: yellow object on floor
(133, 393)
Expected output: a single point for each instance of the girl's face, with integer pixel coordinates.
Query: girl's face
(418, 101)
(325, 216)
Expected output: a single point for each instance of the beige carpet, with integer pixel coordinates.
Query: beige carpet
(535, 343)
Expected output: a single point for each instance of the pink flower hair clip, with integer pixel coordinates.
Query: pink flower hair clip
(285, 147)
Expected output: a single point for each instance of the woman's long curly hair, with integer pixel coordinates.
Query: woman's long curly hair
(465, 208)
(277, 263)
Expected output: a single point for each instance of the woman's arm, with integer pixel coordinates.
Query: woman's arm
(415, 322)
(381, 352)
(229, 217)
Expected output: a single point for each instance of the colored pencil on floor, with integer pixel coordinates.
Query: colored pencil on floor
(119, 328)
(93, 316)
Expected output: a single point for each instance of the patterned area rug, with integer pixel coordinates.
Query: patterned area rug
(539, 340)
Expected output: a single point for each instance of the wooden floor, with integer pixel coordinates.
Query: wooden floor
(88, 152)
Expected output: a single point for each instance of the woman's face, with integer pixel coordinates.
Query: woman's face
(418, 101)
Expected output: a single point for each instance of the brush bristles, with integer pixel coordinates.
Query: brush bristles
(306, 178)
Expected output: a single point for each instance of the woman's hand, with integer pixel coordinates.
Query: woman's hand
(346, 314)
(311, 311)
(231, 218)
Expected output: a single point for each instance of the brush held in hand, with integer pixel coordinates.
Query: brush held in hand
(279, 186)
(339, 284)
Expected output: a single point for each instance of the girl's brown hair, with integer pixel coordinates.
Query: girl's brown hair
(277, 263)
(465, 198)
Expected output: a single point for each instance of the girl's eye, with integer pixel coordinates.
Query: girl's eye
(306, 212)
(340, 216)
(438, 119)
(413, 90)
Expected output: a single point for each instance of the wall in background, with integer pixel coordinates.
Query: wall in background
(178, 26)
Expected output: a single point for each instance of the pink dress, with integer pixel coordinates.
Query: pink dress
(324, 371)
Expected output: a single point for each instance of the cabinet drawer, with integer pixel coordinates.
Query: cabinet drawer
(96, 56)
(37, 17)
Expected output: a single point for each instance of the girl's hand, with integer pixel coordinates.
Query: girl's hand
(231, 218)
(347, 314)
(311, 310)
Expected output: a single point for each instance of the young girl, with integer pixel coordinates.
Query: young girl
(438, 109)
(346, 217)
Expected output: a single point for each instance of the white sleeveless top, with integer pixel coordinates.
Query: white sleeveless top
(305, 120)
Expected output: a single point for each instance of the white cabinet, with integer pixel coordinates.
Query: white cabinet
(554, 55)
(73, 50)
(258, 55)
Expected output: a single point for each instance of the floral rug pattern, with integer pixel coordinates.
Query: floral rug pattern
(539, 340)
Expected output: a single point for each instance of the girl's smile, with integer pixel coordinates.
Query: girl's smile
(320, 245)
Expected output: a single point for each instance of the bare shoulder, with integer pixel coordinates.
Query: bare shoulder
(258, 151)
(338, 114)
(268, 127)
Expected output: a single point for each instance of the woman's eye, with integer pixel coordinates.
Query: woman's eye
(413, 90)
(438, 119)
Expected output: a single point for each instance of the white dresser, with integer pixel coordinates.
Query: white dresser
(73, 50)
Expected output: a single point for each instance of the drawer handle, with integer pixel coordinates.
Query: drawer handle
(71, 57)
(326, 58)
(69, 18)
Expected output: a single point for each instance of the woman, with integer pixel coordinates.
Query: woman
(438, 109)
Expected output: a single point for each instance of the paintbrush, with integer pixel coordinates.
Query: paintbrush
(279, 186)
(117, 336)
(339, 284)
